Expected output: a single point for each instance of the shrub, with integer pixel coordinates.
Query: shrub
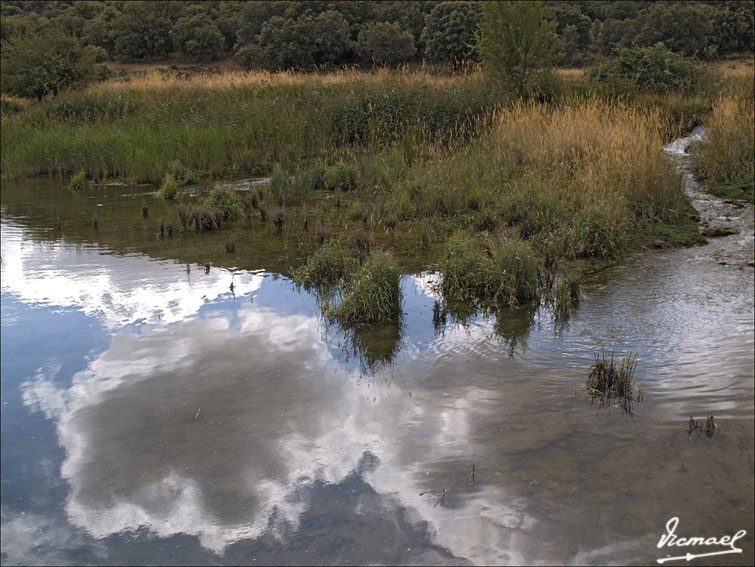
(340, 177)
(653, 69)
(45, 64)
(386, 43)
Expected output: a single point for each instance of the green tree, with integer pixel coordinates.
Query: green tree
(45, 64)
(518, 45)
(142, 31)
(683, 27)
(386, 43)
(198, 38)
(450, 30)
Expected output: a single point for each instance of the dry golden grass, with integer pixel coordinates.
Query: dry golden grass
(735, 68)
(728, 152)
(156, 79)
(587, 150)
(570, 73)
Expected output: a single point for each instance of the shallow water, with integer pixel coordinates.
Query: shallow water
(151, 414)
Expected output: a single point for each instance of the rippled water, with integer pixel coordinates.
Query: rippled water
(151, 414)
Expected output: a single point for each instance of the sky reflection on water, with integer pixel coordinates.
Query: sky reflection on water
(170, 406)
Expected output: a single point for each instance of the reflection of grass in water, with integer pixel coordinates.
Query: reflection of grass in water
(374, 346)
(513, 326)
(611, 382)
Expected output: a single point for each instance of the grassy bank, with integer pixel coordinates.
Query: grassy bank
(502, 195)
(232, 124)
(725, 159)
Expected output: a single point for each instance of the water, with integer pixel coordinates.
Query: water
(151, 414)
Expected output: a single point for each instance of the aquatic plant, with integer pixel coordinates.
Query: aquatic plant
(225, 199)
(169, 188)
(279, 219)
(78, 181)
(566, 294)
(374, 295)
(340, 177)
(696, 426)
(500, 271)
(330, 264)
(206, 218)
(612, 383)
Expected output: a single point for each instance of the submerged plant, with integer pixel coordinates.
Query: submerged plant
(611, 382)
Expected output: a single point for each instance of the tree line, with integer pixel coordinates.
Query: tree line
(310, 34)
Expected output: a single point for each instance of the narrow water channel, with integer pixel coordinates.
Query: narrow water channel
(152, 414)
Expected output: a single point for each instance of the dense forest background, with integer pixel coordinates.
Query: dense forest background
(313, 34)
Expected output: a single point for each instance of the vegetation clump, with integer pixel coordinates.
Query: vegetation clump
(330, 264)
(654, 69)
(725, 159)
(374, 295)
(612, 383)
(224, 199)
(499, 271)
(169, 188)
(566, 294)
(78, 181)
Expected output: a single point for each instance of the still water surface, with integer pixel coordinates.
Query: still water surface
(153, 415)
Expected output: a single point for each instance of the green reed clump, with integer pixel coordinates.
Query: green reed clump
(374, 295)
(78, 181)
(332, 263)
(611, 382)
(169, 188)
(340, 177)
(225, 199)
(293, 187)
(566, 294)
(499, 271)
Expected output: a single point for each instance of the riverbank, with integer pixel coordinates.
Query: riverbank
(389, 160)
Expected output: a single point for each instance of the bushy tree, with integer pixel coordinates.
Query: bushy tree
(518, 45)
(198, 38)
(45, 64)
(683, 27)
(450, 31)
(142, 31)
(304, 42)
(386, 43)
(574, 28)
(653, 69)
